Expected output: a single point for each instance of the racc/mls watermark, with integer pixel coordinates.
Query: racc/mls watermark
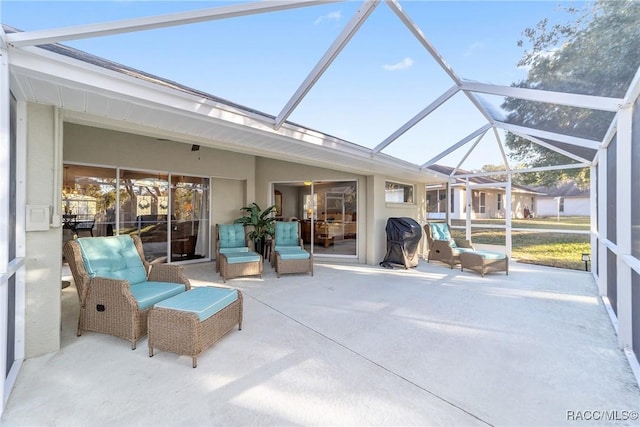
(602, 415)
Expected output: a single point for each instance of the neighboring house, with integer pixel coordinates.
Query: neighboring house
(487, 198)
(565, 199)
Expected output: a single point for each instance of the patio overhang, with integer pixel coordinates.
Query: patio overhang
(122, 100)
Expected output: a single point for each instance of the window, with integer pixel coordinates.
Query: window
(452, 199)
(499, 201)
(561, 204)
(395, 192)
(483, 197)
(437, 201)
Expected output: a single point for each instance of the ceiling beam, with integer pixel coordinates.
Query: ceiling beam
(560, 98)
(526, 170)
(501, 147)
(3, 38)
(416, 119)
(419, 35)
(330, 55)
(468, 153)
(455, 146)
(422, 39)
(40, 37)
(634, 89)
(573, 140)
(551, 147)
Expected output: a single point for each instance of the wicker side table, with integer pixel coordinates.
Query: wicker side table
(178, 329)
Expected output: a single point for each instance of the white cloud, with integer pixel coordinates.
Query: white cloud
(331, 16)
(402, 65)
(474, 47)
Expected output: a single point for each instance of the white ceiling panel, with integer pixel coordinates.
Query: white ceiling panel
(73, 99)
(44, 92)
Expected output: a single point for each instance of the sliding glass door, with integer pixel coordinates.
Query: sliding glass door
(143, 210)
(170, 213)
(189, 218)
(327, 211)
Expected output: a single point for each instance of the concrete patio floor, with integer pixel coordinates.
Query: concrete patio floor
(354, 345)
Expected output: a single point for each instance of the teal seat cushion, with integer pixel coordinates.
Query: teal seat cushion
(287, 248)
(240, 257)
(299, 254)
(113, 257)
(457, 251)
(287, 233)
(149, 293)
(490, 255)
(231, 235)
(204, 302)
(243, 249)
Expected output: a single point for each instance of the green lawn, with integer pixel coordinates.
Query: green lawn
(552, 249)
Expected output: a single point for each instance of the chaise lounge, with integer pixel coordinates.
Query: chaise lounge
(442, 246)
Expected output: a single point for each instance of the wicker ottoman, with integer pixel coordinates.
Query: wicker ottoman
(292, 260)
(238, 264)
(484, 262)
(193, 321)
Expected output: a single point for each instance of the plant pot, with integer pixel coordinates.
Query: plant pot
(259, 245)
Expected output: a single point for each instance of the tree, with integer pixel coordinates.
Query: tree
(596, 54)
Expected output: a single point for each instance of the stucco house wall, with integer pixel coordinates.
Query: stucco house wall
(373, 212)
(236, 180)
(573, 206)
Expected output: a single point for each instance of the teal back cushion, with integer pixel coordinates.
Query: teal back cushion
(287, 233)
(231, 235)
(440, 231)
(114, 257)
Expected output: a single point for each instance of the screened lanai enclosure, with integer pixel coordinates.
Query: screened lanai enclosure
(342, 114)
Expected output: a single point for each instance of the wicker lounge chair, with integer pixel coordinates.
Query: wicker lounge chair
(116, 285)
(288, 254)
(442, 247)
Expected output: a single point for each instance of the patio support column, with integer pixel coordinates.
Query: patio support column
(5, 101)
(623, 219)
(448, 206)
(602, 222)
(5, 186)
(593, 215)
(507, 207)
(469, 202)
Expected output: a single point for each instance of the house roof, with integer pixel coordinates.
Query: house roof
(564, 189)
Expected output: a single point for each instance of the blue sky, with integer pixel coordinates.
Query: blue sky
(379, 81)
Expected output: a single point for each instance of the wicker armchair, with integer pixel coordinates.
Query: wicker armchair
(235, 255)
(231, 238)
(289, 255)
(111, 305)
(442, 247)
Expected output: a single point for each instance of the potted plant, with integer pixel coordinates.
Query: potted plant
(261, 221)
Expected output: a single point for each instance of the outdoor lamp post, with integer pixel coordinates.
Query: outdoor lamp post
(586, 258)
